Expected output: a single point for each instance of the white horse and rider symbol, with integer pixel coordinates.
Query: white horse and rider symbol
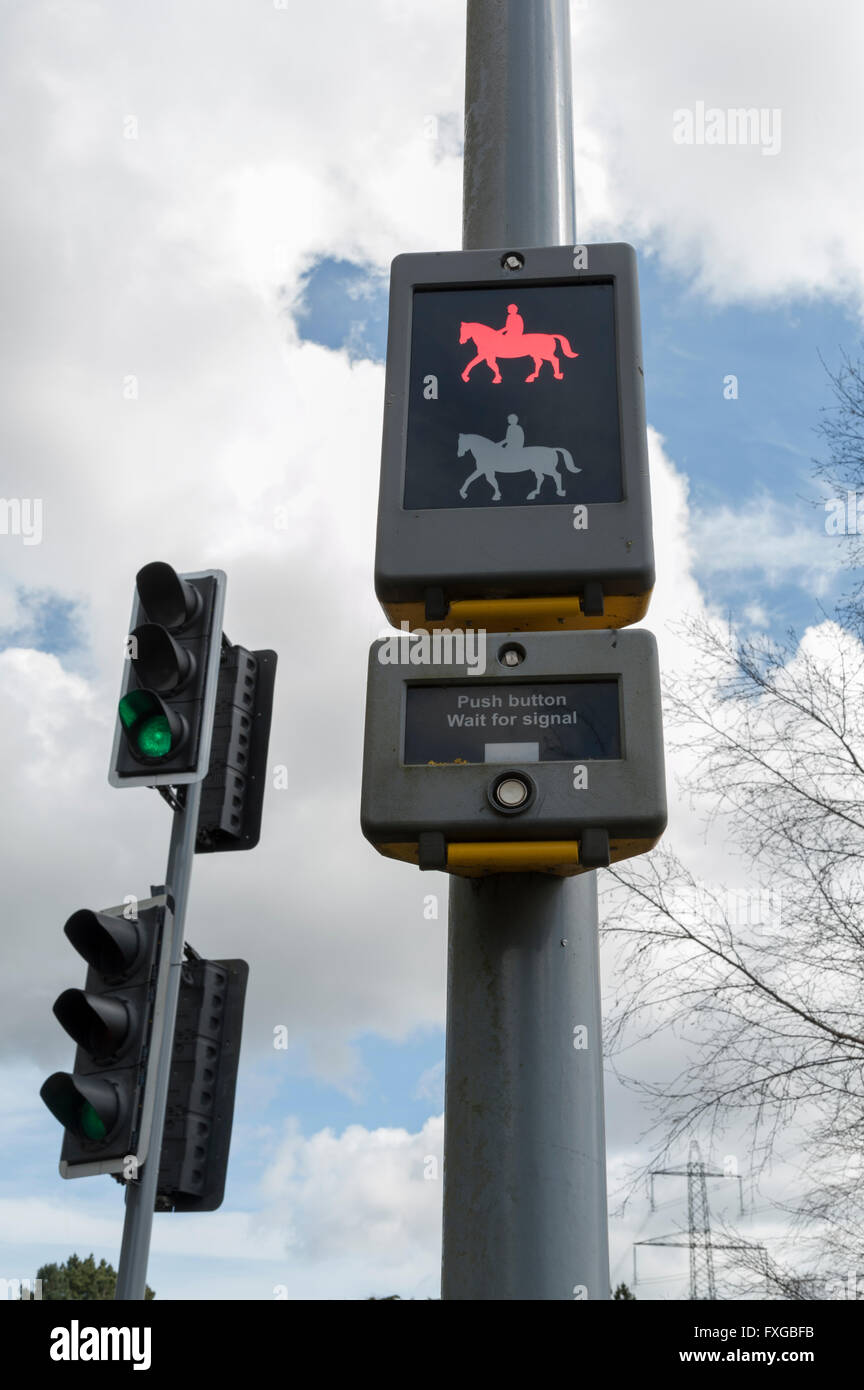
(511, 455)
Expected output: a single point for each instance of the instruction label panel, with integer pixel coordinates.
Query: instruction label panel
(556, 721)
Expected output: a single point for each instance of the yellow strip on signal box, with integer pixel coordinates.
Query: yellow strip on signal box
(524, 614)
(474, 858)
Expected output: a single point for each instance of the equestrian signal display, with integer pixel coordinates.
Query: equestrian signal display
(514, 477)
(513, 512)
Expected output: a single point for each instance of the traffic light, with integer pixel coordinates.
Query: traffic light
(202, 1083)
(165, 714)
(232, 796)
(101, 1102)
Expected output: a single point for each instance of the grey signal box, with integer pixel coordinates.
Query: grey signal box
(514, 471)
(513, 752)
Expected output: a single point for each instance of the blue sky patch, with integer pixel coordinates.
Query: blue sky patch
(48, 623)
(344, 306)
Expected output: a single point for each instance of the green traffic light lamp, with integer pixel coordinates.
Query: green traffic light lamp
(152, 729)
(88, 1106)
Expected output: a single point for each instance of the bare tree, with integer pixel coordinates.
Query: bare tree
(758, 1274)
(841, 429)
(771, 999)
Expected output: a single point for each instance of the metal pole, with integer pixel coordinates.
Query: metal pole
(518, 173)
(524, 1144)
(141, 1195)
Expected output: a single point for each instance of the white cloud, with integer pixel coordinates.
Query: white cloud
(267, 138)
(358, 1193)
(764, 541)
(430, 1085)
(734, 222)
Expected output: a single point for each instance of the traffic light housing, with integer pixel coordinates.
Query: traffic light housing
(232, 796)
(165, 714)
(202, 1083)
(101, 1102)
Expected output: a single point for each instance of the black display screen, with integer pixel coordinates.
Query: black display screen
(537, 421)
(551, 721)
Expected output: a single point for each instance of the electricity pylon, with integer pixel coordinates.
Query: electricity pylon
(699, 1239)
(699, 1221)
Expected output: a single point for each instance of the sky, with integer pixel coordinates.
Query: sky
(201, 203)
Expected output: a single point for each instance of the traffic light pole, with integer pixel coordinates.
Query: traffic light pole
(524, 1143)
(141, 1194)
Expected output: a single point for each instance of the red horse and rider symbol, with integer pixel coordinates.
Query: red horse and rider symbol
(513, 341)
